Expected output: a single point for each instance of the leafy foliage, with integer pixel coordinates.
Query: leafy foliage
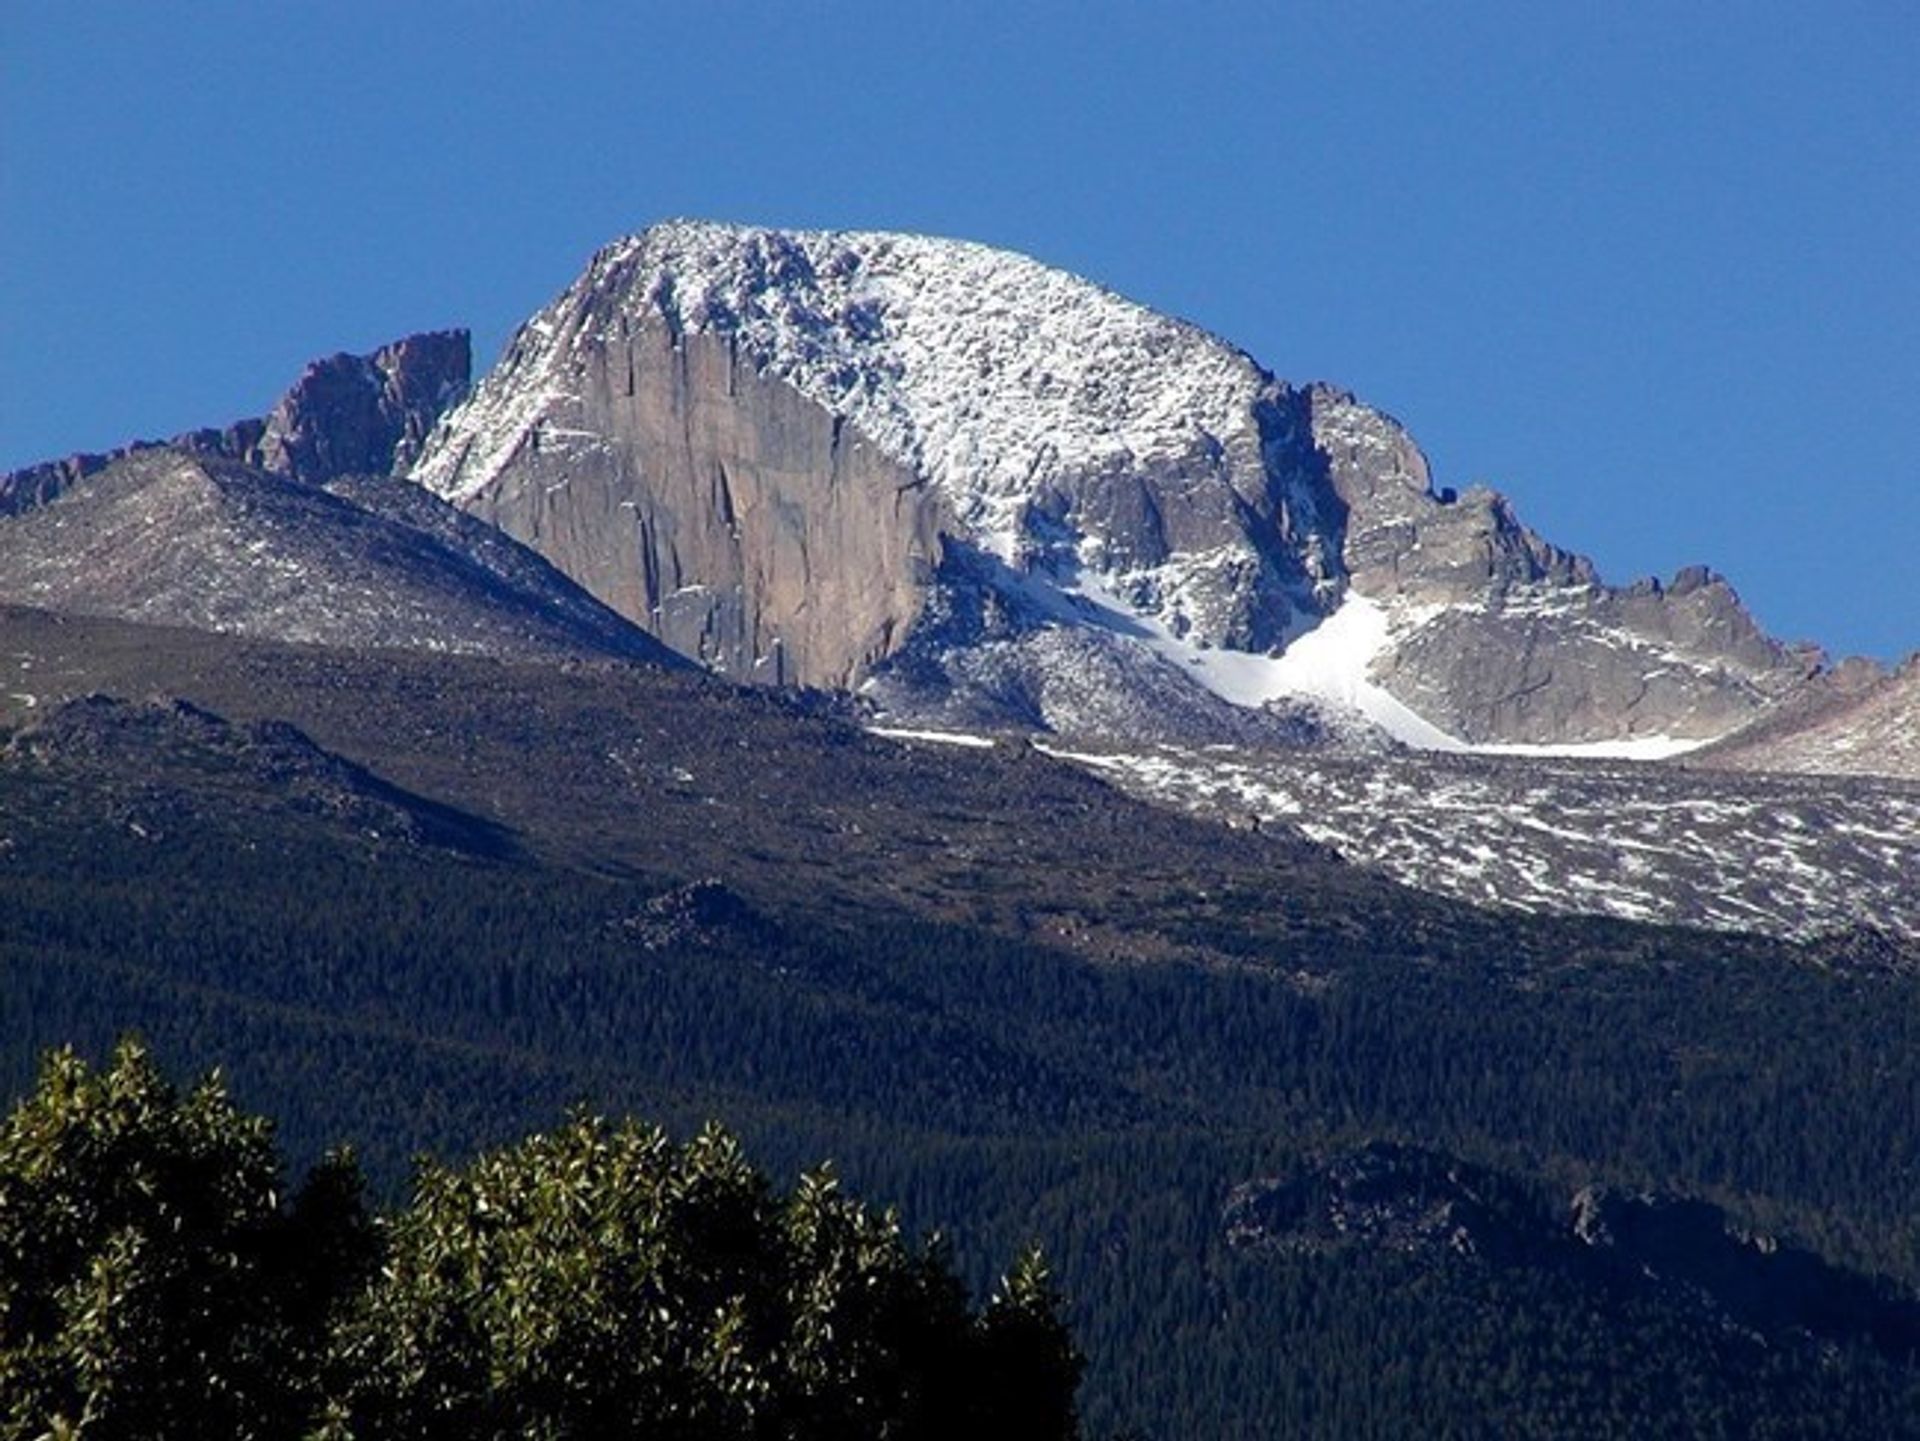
(592, 1281)
(151, 1284)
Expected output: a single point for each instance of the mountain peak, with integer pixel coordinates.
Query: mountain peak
(366, 414)
(992, 374)
(981, 487)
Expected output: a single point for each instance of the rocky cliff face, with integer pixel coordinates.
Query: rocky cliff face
(1856, 720)
(980, 398)
(364, 414)
(717, 507)
(1501, 636)
(290, 527)
(982, 488)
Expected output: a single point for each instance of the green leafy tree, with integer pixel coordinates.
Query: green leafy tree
(598, 1280)
(603, 1281)
(151, 1283)
(1032, 1369)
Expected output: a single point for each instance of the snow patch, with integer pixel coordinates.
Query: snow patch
(1633, 748)
(1326, 664)
(944, 738)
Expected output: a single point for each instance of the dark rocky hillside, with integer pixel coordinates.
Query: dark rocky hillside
(164, 767)
(1389, 1197)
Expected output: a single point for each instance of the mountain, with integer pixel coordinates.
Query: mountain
(1430, 1094)
(987, 496)
(990, 494)
(346, 415)
(288, 527)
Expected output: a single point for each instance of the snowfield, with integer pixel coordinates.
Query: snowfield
(1793, 856)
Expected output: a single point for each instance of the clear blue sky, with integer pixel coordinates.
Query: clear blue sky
(1649, 268)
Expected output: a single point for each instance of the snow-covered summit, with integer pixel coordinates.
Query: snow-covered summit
(992, 374)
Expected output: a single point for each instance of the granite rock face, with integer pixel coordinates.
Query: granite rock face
(364, 414)
(1505, 637)
(719, 509)
(981, 488)
(1857, 719)
(800, 425)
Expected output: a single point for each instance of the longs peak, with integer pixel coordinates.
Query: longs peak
(987, 491)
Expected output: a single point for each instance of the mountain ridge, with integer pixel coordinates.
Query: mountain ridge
(346, 414)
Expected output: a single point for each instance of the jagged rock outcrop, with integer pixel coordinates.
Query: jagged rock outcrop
(346, 415)
(1389, 1197)
(1502, 636)
(364, 414)
(1386, 1197)
(701, 913)
(978, 486)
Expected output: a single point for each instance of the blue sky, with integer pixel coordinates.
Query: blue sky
(1649, 268)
